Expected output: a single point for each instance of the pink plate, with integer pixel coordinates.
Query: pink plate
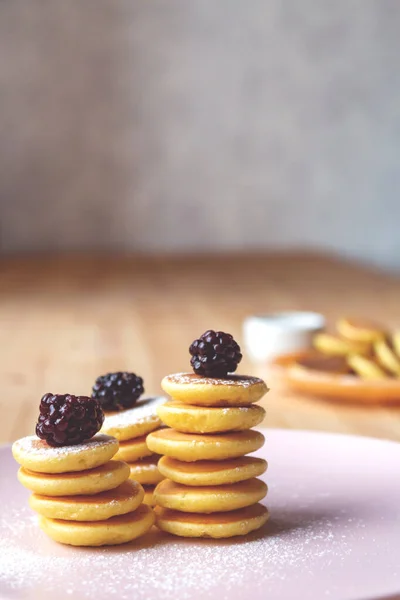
(334, 533)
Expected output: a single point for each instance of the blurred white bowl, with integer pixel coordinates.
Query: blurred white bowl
(267, 336)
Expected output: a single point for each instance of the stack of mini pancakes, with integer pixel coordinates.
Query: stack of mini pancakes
(82, 496)
(131, 427)
(211, 488)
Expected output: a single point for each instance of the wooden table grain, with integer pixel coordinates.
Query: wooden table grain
(65, 320)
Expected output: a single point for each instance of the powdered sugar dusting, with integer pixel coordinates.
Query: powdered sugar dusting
(161, 566)
(37, 447)
(333, 533)
(244, 381)
(144, 410)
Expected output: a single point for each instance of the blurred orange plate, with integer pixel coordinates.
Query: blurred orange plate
(333, 386)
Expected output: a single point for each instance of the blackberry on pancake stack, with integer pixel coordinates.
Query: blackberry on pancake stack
(211, 488)
(130, 419)
(82, 496)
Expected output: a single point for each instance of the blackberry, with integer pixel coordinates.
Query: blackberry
(215, 354)
(117, 391)
(67, 420)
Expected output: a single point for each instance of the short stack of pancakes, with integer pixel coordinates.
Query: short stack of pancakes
(83, 497)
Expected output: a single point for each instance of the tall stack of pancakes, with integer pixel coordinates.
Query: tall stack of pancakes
(131, 427)
(83, 497)
(211, 487)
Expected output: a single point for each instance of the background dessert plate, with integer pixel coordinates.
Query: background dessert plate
(336, 386)
(334, 532)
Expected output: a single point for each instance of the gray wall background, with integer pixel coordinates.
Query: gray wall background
(198, 125)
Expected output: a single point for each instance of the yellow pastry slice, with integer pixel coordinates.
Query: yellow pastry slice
(145, 471)
(387, 357)
(191, 447)
(36, 455)
(123, 499)
(366, 368)
(336, 346)
(209, 419)
(396, 342)
(360, 330)
(209, 499)
(216, 525)
(106, 477)
(133, 422)
(235, 390)
(212, 472)
(133, 450)
(117, 530)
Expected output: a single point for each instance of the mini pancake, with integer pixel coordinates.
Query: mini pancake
(93, 481)
(99, 507)
(336, 346)
(387, 357)
(209, 499)
(323, 363)
(210, 472)
(146, 471)
(191, 447)
(133, 450)
(149, 495)
(366, 368)
(134, 422)
(209, 419)
(117, 530)
(360, 330)
(234, 390)
(216, 525)
(36, 455)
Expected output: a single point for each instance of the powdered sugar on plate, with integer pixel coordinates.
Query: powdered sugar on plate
(37, 447)
(334, 533)
(159, 566)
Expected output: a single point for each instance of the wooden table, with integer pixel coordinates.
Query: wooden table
(63, 321)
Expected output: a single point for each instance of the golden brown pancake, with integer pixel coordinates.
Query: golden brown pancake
(191, 447)
(145, 471)
(234, 390)
(212, 472)
(36, 455)
(209, 419)
(106, 477)
(133, 422)
(209, 499)
(98, 507)
(133, 450)
(216, 525)
(117, 530)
